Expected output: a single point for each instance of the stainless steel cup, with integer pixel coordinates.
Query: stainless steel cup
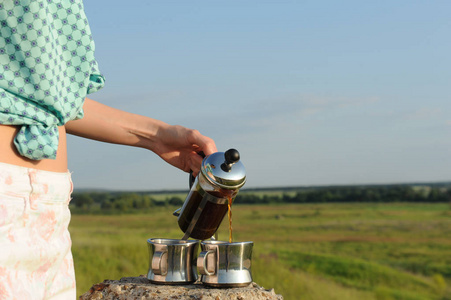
(172, 261)
(223, 264)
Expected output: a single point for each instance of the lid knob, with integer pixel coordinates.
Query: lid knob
(231, 156)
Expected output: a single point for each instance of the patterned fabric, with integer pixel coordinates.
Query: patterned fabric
(35, 257)
(47, 67)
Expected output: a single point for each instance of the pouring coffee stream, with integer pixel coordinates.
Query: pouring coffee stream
(211, 195)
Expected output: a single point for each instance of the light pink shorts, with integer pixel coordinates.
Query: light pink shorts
(35, 257)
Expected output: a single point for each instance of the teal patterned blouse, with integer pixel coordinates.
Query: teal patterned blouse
(47, 67)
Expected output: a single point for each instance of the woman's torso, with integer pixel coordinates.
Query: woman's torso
(9, 154)
(47, 67)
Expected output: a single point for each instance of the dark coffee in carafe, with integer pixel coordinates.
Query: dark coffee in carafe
(216, 207)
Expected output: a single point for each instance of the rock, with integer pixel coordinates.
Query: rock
(140, 288)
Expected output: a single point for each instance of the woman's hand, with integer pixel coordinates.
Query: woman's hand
(179, 146)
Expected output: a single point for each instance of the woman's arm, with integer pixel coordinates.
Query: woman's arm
(175, 144)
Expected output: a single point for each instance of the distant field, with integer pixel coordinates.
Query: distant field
(303, 251)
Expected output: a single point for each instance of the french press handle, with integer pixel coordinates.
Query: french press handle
(191, 176)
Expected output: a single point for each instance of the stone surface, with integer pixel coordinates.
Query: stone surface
(140, 288)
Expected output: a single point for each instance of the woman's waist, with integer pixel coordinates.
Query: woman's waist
(10, 155)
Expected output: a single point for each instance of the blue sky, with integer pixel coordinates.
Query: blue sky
(309, 92)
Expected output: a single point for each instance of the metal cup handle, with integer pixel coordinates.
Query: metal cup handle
(202, 263)
(160, 263)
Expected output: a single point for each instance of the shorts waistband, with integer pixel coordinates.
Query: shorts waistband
(29, 182)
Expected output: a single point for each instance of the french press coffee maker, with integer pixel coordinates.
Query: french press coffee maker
(215, 187)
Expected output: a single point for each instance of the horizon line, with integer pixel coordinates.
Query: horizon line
(291, 187)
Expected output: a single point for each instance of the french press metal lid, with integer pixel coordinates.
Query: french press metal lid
(224, 169)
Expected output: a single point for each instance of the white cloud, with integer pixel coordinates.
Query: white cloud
(297, 109)
(424, 113)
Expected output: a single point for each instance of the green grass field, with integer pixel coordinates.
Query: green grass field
(303, 251)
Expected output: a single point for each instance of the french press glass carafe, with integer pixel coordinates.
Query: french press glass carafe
(217, 184)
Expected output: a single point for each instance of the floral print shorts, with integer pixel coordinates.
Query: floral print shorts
(35, 246)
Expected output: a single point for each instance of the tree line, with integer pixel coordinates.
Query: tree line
(118, 202)
(130, 202)
(401, 193)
